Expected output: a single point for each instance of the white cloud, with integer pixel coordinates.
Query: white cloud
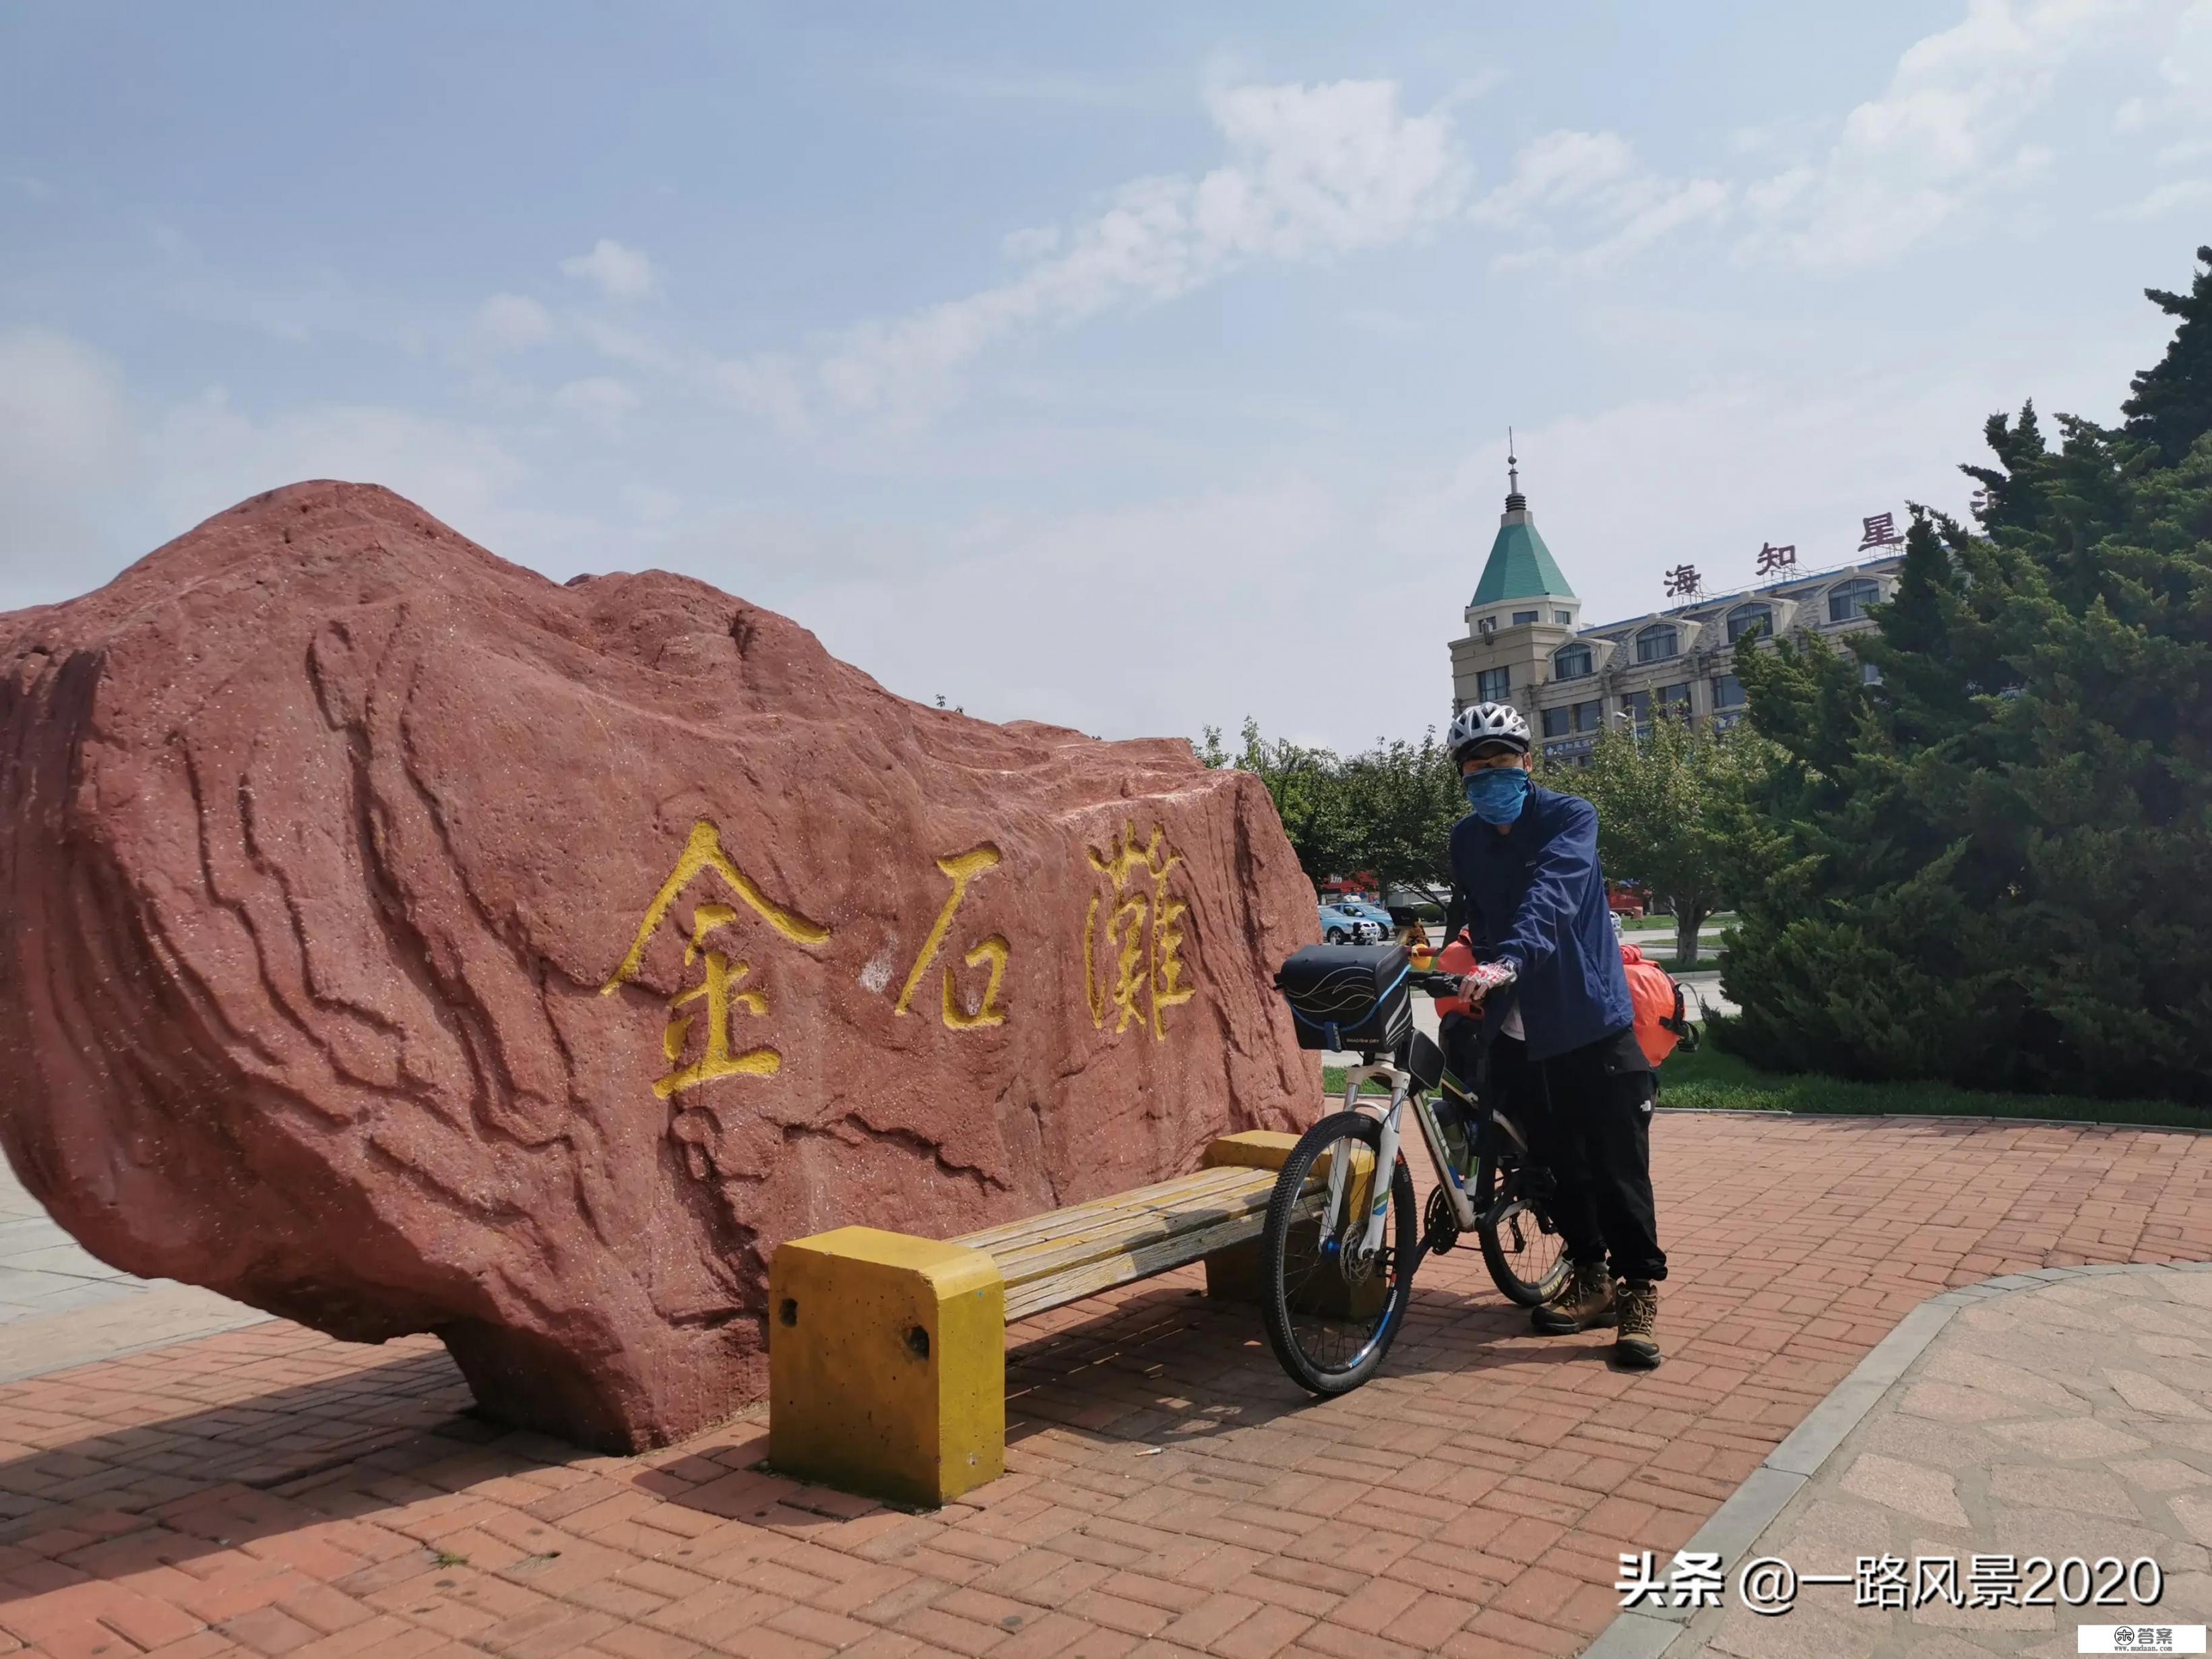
(1312, 171)
(1944, 131)
(206, 455)
(65, 440)
(2180, 192)
(1591, 183)
(598, 399)
(1556, 168)
(512, 322)
(618, 272)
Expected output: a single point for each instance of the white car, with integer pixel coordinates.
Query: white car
(1343, 927)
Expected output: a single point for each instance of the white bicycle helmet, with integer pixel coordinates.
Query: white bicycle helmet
(1486, 723)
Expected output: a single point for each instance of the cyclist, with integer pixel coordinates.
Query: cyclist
(1560, 1035)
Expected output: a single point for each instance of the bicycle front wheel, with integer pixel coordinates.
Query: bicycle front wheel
(1333, 1308)
(1521, 1245)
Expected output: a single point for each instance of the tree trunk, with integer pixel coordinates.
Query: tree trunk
(1687, 919)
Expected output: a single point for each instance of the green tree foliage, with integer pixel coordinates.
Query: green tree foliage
(1388, 811)
(1993, 861)
(1674, 814)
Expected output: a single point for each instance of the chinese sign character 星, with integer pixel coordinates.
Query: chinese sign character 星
(1772, 558)
(1881, 531)
(1683, 583)
(719, 988)
(1144, 935)
(963, 868)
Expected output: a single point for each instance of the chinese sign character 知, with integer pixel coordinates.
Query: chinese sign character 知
(1144, 935)
(1772, 558)
(723, 987)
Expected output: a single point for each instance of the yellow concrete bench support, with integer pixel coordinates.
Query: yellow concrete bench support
(887, 1353)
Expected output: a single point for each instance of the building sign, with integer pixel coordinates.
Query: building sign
(1683, 583)
(1566, 748)
(1881, 531)
(1772, 558)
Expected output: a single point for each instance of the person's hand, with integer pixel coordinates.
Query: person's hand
(1487, 977)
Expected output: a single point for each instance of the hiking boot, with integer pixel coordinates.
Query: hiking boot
(1636, 1343)
(1583, 1304)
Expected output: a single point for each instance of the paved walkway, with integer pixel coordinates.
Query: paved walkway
(62, 1306)
(268, 1492)
(2070, 1419)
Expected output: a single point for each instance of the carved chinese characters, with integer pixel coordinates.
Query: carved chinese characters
(1143, 937)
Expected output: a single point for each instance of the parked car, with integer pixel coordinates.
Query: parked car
(1624, 900)
(1385, 926)
(1341, 926)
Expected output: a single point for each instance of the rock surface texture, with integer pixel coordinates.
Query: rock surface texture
(396, 940)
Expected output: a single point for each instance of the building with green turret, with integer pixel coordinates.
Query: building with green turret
(1525, 643)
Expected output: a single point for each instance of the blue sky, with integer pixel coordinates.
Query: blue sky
(1134, 367)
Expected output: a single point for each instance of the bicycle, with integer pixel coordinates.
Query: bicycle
(1336, 1269)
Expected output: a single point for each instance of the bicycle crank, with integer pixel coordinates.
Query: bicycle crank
(1442, 1222)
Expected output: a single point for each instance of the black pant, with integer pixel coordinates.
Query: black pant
(1587, 1116)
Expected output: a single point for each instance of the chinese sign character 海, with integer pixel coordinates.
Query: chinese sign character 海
(719, 988)
(963, 868)
(1772, 558)
(1144, 935)
(1881, 531)
(1683, 583)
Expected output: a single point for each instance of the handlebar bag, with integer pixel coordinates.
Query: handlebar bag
(1349, 996)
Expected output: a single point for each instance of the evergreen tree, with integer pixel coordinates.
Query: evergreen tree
(1995, 855)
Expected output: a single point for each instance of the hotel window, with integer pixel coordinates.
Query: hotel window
(1555, 722)
(1491, 684)
(1589, 716)
(1728, 691)
(1636, 705)
(1847, 601)
(1519, 617)
(1675, 698)
(1745, 617)
(1657, 644)
(1572, 663)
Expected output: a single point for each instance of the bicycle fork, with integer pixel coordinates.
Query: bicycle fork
(1386, 1162)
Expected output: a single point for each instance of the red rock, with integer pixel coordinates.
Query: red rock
(352, 880)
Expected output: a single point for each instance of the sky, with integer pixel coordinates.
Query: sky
(1136, 368)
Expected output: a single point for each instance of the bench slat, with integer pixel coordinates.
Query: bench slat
(1117, 1234)
(1041, 1295)
(1161, 1196)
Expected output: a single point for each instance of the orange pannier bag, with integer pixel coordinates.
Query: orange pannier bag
(1657, 999)
(1661, 1024)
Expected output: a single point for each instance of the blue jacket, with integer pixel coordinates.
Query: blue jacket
(1536, 897)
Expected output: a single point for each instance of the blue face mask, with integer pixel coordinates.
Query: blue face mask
(1497, 795)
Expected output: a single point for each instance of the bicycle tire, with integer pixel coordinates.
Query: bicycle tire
(1287, 1280)
(1506, 1215)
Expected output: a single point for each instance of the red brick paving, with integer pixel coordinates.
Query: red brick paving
(270, 1492)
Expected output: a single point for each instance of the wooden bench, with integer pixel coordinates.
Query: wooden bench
(887, 1353)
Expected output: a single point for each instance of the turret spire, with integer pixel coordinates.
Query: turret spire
(1514, 501)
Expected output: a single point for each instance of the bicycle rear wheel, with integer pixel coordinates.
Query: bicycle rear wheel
(1521, 1245)
(1332, 1313)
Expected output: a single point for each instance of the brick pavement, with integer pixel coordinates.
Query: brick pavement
(267, 1491)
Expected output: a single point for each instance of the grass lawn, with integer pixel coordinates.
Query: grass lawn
(1712, 1081)
(1721, 1082)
